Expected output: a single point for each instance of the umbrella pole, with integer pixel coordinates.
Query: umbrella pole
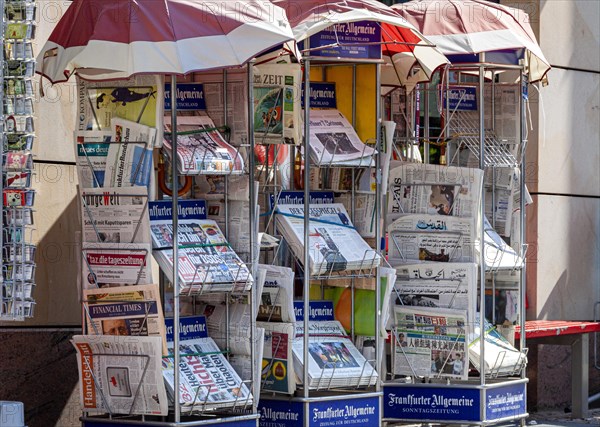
(174, 214)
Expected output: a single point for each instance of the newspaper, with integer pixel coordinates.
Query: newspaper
(138, 99)
(115, 215)
(277, 300)
(416, 188)
(498, 254)
(127, 311)
(500, 357)
(243, 365)
(277, 363)
(501, 184)
(207, 380)
(430, 342)
(120, 375)
(129, 160)
(422, 237)
(233, 332)
(445, 285)
(334, 360)
(91, 149)
(363, 212)
(334, 140)
(115, 264)
(334, 244)
(206, 262)
(201, 148)
(277, 109)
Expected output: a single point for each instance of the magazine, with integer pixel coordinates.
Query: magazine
(18, 197)
(334, 360)
(115, 215)
(277, 299)
(129, 159)
(91, 150)
(445, 285)
(334, 243)
(430, 342)
(207, 380)
(17, 160)
(115, 264)
(501, 357)
(17, 179)
(334, 140)
(417, 188)
(121, 376)
(277, 109)
(206, 261)
(423, 237)
(201, 148)
(277, 362)
(127, 311)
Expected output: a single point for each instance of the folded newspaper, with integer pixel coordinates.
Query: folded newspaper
(277, 299)
(430, 342)
(121, 376)
(129, 158)
(116, 264)
(91, 150)
(207, 380)
(201, 148)
(277, 369)
(126, 311)
(206, 261)
(334, 361)
(423, 237)
(115, 215)
(333, 140)
(334, 244)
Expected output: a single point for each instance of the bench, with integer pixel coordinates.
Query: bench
(576, 335)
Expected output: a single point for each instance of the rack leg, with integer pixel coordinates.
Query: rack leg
(579, 374)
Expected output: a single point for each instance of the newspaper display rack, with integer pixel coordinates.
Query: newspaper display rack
(17, 284)
(486, 135)
(329, 390)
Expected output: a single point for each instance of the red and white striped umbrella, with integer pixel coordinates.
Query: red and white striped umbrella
(403, 44)
(476, 26)
(112, 39)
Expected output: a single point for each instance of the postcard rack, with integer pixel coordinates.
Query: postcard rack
(17, 135)
(475, 136)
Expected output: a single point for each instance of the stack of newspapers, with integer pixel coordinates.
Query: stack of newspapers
(334, 142)
(334, 244)
(206, 261)
(207, 380)
(334, 361)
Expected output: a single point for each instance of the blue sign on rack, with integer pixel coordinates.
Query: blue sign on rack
(297, 198)
(431, 403)
(507, 401)
(280, 413)
(161, 210)
(318, 310)
(351, 40)
(190, 97)
(462, 98)
(322, 95)
(190, 327)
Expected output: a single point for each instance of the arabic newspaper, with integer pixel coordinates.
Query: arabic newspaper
(121, 375)
(334, 360)
(422, 237)
(277, 109)
(277, 299)
(445, 285)
(416, 188)
(500, 357)
(430, 342)
(115, 215)
(277, 363)
(334, 140)
(129, 160)
(201, 148)
(207, 380)
(138, 99)
(334, 243)
(115, 264)
(126, 311)
(91, 150)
